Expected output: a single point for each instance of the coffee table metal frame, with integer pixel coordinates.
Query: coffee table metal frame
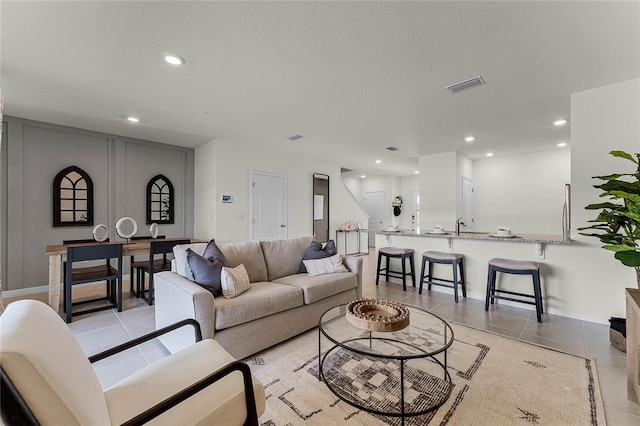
(371, 338)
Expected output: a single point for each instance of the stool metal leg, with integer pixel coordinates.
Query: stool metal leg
(404, 273)
(455, 280)
(490, 279)
(537, 294)
(386, 271)
(462, 280)
(424, 261)
(430, 276)
(378, 270)
(413, 270)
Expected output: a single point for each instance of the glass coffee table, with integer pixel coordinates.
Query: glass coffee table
(393, 373)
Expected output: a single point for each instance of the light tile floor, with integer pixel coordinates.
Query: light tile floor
(105, 329)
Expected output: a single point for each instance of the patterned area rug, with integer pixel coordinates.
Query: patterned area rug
(495, 381)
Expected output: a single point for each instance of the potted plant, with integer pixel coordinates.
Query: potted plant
(618, 226)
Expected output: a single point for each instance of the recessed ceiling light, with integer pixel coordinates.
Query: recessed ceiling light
(561, 144)
(362, 176)
(417, 172)
(561, 122)
(469, 139)
(378, 161)
(173, 59)
(489, 154)
(133, 119)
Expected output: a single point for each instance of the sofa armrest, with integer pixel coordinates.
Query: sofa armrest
(354, 264)
(176, 299)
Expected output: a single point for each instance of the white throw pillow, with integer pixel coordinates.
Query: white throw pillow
(234, 281)
(328, 265)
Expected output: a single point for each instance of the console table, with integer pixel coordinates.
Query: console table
(346, 233)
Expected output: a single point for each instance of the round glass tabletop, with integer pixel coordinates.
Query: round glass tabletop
(426, 335)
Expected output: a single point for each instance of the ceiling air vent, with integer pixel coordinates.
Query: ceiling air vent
(464, 85)
(392, 148)
(294, 137)
(345, 170)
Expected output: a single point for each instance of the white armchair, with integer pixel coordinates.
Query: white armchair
(47, 379)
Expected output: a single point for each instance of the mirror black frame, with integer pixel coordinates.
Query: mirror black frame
(320, 207)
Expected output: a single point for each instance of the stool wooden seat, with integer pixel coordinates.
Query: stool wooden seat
(400, 253)
(455, 260)
(517, 267)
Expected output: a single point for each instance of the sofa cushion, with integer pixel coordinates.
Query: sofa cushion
(248, 253)
(264, 299)
(180, 256)
(222, 403)
(213, 252)
(283, 257)
(205, 272)
(328, 265)
(235, 281)
(321, 286)
(316, 251)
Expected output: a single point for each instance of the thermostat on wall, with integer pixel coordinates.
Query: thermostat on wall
(227, 198)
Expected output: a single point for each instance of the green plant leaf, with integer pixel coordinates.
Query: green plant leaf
(619, 247)
(629, 258)
(635, 198)
(622, 154)
(599, 206)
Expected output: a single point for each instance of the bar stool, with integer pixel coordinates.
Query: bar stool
(455, 260)
(400, 253)
(517, 267)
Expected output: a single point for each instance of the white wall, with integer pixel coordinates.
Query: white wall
(602, 120)
(223, 167)
(525, 192)
(438, 190)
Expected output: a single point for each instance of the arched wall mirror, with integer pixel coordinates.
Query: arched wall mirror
(321, 207)
(72, 198)
(160, 200)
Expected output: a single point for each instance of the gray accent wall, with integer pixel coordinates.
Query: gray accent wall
(120, 169)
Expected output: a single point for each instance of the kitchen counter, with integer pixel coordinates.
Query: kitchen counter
(488, 236)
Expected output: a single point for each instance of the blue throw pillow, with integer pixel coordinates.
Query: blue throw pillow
(316, 251)
(205, 272)
(213, 252)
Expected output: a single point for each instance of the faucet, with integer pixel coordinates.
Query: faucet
(458, 223)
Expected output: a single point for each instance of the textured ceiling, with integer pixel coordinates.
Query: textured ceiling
(352, 77)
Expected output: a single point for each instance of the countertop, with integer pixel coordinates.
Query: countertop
(487, 236)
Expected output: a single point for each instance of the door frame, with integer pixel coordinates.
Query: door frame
(285, 202)
(466, 209)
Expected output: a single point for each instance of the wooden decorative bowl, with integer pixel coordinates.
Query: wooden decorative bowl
(377, 315)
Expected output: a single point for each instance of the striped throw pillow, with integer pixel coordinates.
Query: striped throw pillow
(234, 281)
(328, 265)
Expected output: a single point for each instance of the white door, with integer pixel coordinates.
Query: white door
(468, 201)
(374, 205)
(268, 206)
(415, 210)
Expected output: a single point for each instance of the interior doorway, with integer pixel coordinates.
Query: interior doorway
(415, 211)
(373, 202)
(468, 202)
(268, 206)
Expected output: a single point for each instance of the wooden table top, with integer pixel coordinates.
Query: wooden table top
(130, 248)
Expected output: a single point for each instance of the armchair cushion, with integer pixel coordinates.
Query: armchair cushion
(221, 403)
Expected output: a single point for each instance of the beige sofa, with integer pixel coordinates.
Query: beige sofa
(279, 305)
